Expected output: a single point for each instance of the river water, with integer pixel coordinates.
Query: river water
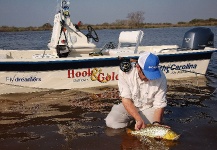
(70, 119)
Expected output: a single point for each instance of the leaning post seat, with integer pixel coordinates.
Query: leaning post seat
(128, 43)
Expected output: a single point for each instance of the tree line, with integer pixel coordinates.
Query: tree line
(46, 26)
(133, 20)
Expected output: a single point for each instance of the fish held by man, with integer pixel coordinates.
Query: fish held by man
(155, 131)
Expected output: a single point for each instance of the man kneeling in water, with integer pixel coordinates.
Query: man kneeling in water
(143, 91)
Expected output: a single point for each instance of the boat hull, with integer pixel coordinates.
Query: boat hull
(96, 71)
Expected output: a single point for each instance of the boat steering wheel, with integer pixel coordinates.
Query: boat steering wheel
(92, 34)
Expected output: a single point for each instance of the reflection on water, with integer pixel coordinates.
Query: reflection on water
(62, 119)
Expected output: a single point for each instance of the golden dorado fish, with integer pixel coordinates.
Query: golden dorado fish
(155, 131)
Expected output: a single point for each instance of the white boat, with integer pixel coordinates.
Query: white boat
(73, 61)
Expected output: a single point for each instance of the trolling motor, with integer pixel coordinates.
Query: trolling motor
(62, 49)
(62, 45)
(65, 8)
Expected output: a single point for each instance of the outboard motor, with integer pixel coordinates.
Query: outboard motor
(198, 38)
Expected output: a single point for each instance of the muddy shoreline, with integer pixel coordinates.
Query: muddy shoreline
(74, 119)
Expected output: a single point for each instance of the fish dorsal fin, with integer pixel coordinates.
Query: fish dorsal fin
(149, 125)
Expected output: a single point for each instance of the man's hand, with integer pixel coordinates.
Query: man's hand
(132, 110)
(139, 125)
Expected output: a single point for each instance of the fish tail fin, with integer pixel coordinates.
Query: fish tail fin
(128, 130)
(177, 137)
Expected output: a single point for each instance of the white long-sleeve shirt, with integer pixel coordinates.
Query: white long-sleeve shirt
(144, 94)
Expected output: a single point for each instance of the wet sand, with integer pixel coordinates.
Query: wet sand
(74, 119)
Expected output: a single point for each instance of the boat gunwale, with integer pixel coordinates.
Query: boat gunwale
(93, 62)
(111, 57)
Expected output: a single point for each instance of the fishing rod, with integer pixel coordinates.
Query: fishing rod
(197, 73)
(126, 65)
(109, 45)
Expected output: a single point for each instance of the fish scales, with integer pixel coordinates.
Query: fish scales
(155, 131)
(151, 131)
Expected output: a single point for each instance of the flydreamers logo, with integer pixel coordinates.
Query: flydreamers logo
(175, 67)
(23, 79)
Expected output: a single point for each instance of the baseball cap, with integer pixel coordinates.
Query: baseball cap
(149, 64)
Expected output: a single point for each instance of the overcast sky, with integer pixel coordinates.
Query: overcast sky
(23, 13)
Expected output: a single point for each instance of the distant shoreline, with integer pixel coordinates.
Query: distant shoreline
(48, 26)
(150, 25)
